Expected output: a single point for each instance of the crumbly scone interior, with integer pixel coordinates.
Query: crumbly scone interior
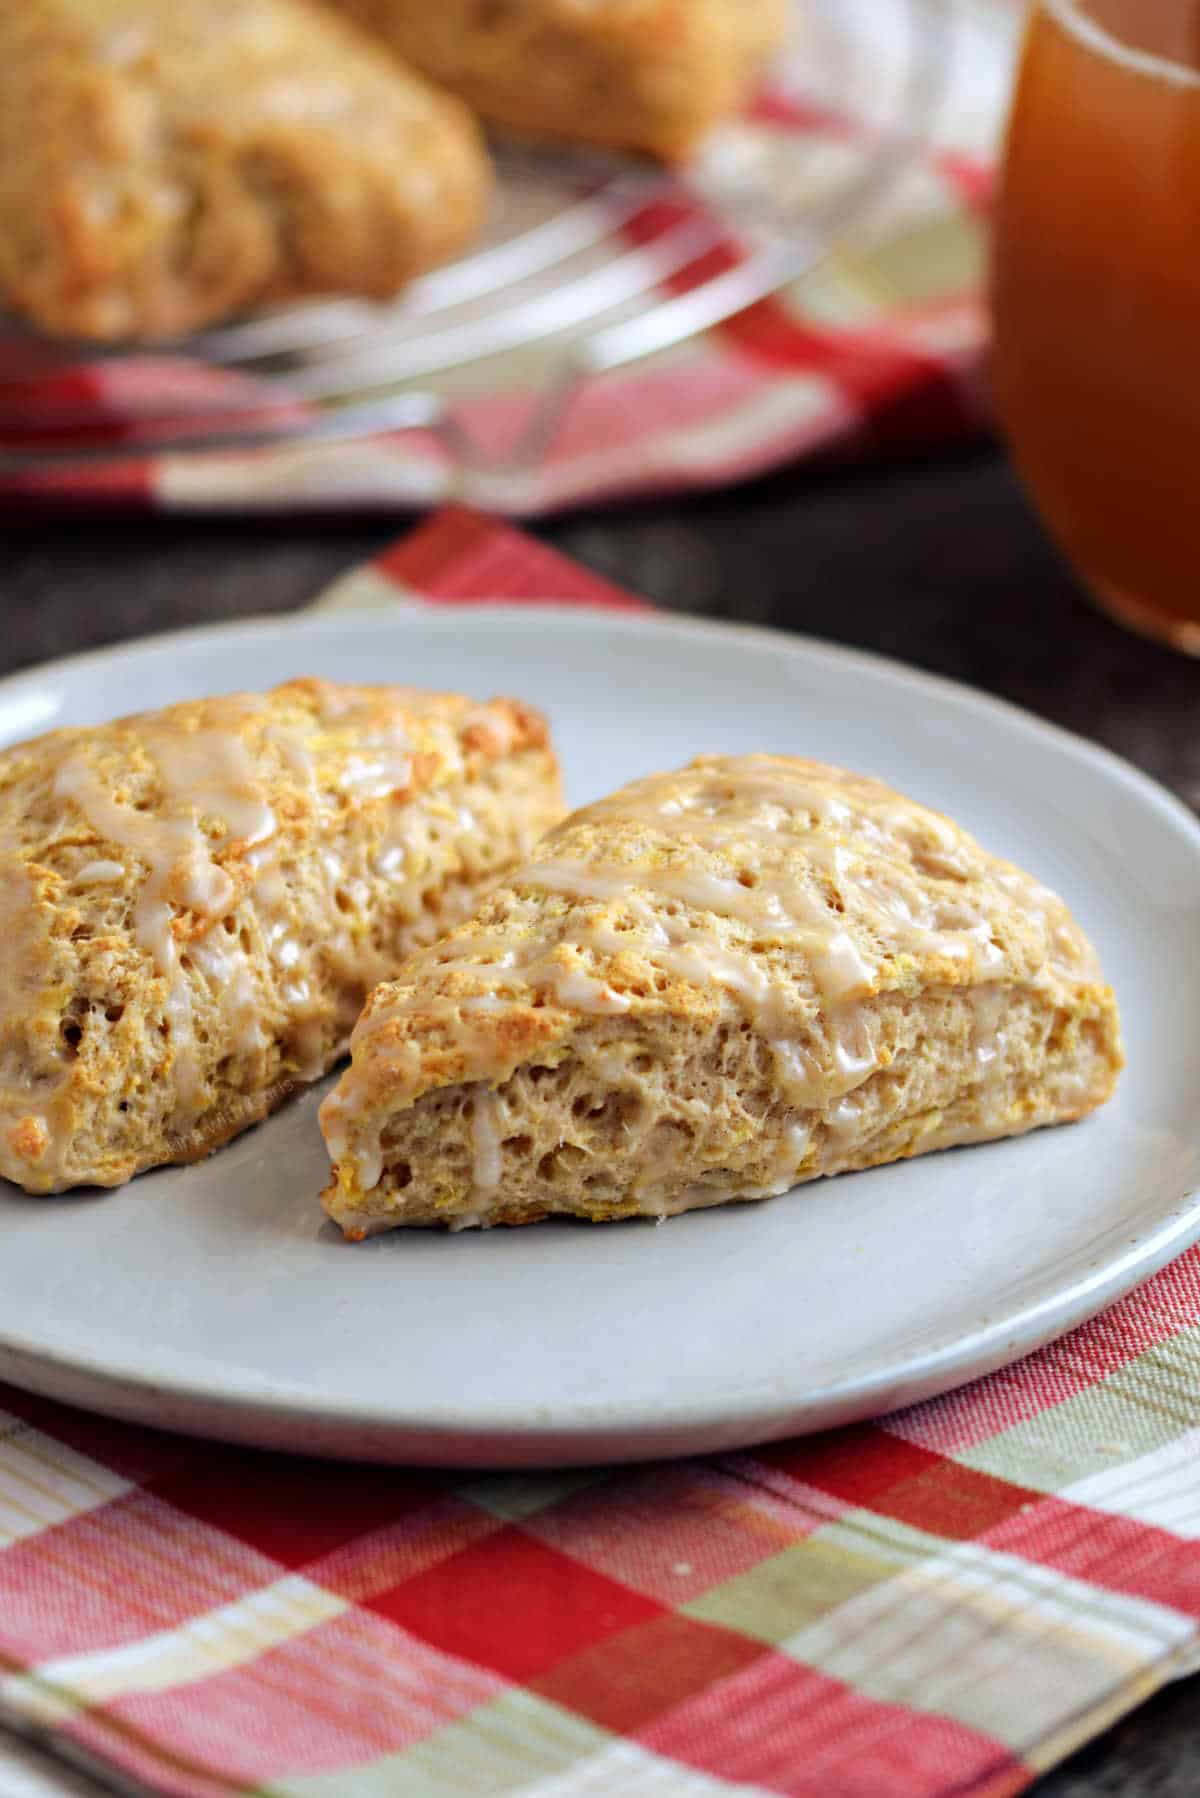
(715, 985)
(624, 1124)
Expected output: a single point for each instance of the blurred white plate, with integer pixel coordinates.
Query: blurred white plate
(217, 1298)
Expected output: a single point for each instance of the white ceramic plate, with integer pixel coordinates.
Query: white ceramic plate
(217, 1298)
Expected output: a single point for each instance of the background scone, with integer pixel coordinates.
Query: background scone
(710, 986)
(651, 75)
(194, 903)
(166, 162)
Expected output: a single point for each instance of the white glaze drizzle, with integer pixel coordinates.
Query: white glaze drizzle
(485, 1139)
(987, 1039)
(843, 1121)
(683, 944)
(377, 769)
(839, 967)
(304, 1006)
(381, 761)
(225, 967)
(294, 753)
(788, 1158)
(210, 773)
(580, 991)
(204, 774)
(99, 873)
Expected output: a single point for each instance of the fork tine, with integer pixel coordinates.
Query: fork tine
(526, 321)
(686, 316)
(773, 268)
(578, 227)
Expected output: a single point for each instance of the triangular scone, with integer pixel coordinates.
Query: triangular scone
(166, 162)
(195, 902)
(711, 986)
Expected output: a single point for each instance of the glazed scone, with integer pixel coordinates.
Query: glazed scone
(646, 75)
(166, 162)
(195, 902)
(714, 985)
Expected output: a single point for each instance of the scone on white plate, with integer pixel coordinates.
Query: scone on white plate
(714, 985)
(645, 75)
(195, 902)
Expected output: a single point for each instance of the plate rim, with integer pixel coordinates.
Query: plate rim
(268, 1413)
(314, 620)
(250, 1408)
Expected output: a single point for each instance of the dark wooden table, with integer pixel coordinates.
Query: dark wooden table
(937, 563)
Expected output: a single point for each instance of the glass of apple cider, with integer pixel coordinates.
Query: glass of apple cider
(1096, 288)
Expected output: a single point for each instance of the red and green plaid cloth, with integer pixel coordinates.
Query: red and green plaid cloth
(944, 1602)
(877, 349)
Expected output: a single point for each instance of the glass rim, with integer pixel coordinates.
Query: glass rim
(1099, 39)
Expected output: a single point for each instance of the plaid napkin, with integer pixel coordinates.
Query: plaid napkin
(878, 349)
(947, 1601)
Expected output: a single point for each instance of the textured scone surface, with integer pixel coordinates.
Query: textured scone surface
(650, 75)
(716, 984)
(166, 162)
(195, 902)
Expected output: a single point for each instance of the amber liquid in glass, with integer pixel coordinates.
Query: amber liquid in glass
(1096, 288)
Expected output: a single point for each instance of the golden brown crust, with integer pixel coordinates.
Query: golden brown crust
(166, 162)
(194, 902)
(648, 75)
(713, 985)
